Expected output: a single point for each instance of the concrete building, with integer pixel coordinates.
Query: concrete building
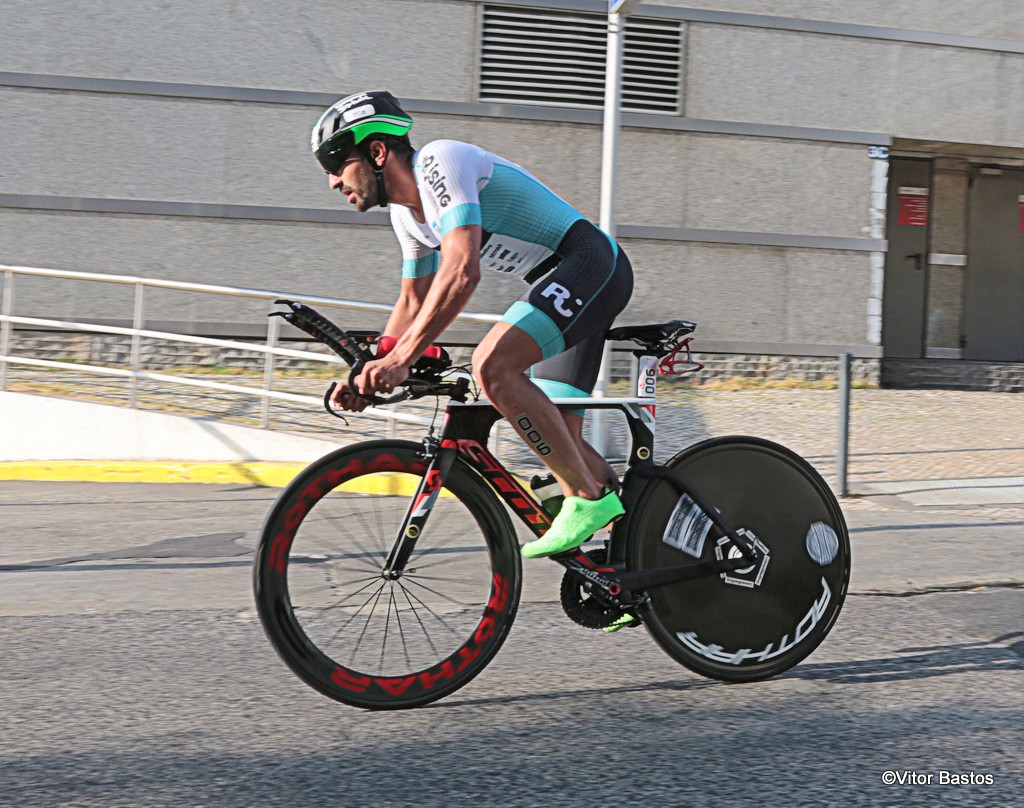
(800, 177)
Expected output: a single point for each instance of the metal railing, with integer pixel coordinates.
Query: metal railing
(269, 348)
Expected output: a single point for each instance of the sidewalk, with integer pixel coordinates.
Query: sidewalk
(932, 448)
(927, 447)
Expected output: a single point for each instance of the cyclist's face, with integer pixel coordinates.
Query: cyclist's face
(356, 182)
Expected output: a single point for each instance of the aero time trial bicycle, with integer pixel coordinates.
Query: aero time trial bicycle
(388, 572)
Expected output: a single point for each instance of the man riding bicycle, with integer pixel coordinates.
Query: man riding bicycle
(454, 207)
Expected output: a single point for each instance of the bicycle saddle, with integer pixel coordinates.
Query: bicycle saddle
(655, 335)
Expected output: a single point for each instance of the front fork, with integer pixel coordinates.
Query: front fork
(439, 463)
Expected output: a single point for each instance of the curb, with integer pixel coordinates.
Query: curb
(273, 475)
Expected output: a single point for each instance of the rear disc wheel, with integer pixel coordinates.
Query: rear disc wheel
(757, 621)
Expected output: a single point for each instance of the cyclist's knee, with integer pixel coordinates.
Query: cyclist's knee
(491, 367)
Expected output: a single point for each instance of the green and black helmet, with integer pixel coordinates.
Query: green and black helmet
(351, 121)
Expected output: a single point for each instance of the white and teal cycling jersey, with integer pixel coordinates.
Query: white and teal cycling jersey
(523, 221)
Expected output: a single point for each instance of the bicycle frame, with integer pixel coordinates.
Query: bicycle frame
(465, 431)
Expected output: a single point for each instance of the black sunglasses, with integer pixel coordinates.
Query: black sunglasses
(333, 152)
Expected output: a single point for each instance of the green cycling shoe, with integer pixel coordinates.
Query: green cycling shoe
(576, 522)
(626, 621)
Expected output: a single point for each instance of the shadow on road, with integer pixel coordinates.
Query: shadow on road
(575, 693)
(939, 660)
(924, 663)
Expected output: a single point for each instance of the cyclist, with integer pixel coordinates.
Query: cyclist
(455, 207)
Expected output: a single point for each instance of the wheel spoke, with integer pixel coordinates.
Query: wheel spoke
(344, 530)
(436, 548)
(366, 625)
(387, 623)
(439, 594)
(449, 560)
(354, 616)
(341, 535)
(382, 531)
(347, 597)
(401, 632)
(415, 577)
(416, 614)
(431, 611)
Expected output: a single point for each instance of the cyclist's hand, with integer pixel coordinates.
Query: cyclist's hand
(345, 399)
(382, 376)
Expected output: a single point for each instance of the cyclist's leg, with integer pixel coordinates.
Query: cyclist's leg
(568, 310)
(500, 363)
(572, 374)
(599, 467)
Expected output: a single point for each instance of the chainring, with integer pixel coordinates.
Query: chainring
(581, 604)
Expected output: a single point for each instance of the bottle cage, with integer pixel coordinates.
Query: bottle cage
(674, 365)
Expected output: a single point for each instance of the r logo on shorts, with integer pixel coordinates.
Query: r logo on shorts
(560, 294)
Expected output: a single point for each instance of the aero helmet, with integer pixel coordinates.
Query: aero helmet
(352, 120)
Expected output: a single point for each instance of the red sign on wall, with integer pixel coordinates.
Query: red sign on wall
(913, 206)
(1021, 200)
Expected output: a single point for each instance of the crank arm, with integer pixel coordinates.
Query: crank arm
(650, 579)
(604, 578)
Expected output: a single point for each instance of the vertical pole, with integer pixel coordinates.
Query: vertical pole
(844, 423)
(609, 182)
(877, 214)
(5, 326)
(137, 322)
(268, 370)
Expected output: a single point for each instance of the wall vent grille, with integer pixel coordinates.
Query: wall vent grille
(556, 58)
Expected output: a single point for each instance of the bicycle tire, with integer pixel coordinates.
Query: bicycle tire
(339, 519)
(757, 622)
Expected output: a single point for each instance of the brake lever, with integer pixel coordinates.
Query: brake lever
(327, 403)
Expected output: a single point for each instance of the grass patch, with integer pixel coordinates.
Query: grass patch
(739, 384)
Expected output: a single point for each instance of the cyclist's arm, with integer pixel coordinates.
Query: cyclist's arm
(448, 294)
(410, 300)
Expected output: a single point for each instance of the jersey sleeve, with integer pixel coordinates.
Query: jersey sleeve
(418, 260)
(451, 174)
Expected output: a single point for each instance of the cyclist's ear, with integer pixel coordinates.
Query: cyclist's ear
(378, 153)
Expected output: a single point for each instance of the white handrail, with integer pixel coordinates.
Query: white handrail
(262, 294)
(231, 388)
(255, 347)
(7, 319)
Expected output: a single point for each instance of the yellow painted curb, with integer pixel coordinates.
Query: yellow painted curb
(116, 471)
(168, 471)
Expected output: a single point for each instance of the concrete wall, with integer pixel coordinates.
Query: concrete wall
(999, 19)
(804, 79)
(288, 44)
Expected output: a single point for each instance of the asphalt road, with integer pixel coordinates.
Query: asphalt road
(135, 673)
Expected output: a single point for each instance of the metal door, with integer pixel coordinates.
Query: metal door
(994, 291)
(906, 262)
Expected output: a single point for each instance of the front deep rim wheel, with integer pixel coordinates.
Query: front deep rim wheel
(758, 621)
(357, 634)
